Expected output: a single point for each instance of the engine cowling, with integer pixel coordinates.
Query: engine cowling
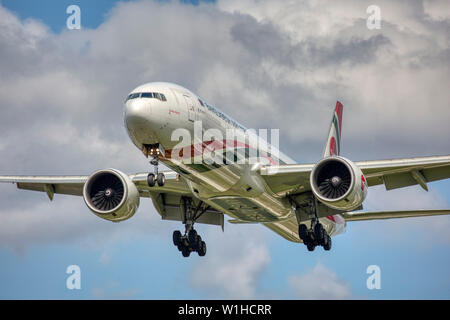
(338, 183)
(111, 195)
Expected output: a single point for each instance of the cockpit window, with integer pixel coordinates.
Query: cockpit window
(155, 95)
(133, 96)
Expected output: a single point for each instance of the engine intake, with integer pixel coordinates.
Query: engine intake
(338, 183)
(111, 195)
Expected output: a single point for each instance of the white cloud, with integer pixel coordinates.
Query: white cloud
(234, 264)
(437, 9)
(319, 283)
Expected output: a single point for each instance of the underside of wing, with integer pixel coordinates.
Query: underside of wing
(361, 216)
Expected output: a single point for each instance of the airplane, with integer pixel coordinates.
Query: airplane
(304, 203)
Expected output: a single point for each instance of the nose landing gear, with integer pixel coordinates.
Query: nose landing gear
(156, 177)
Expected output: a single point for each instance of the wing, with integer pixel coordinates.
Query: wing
(73, 185)
(397, 173)
(166, 199)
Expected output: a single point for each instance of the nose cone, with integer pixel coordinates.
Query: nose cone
(138, 121)
(136, 113)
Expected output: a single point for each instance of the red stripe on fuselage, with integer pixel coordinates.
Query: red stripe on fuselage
(214, 145)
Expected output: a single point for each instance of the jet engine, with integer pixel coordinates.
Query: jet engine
(338, 183)
(111, 195)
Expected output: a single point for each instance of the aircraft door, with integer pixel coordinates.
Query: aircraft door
(190, 108)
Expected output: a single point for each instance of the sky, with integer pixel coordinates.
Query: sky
(269, 64)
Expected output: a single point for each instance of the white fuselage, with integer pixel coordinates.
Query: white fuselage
(156, 113)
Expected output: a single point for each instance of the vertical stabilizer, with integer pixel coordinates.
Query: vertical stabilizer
(333, 146)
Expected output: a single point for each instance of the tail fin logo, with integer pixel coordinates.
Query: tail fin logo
(333, 145)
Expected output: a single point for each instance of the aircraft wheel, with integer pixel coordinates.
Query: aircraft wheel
(327, 245)
(192, 236)
(186, 252)
(310, 246)
(302, 231)
(151, 180)
(202, 249)
(161, 179)
(176, 237)
(198, 243)
(318, 232)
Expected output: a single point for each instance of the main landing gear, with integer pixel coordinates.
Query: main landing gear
(315, 236)
(155, 177)
(190, 241)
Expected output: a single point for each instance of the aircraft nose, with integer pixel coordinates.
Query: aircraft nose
(137, 114)
(136, 110)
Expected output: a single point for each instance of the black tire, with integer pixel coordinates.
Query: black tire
(328, 244)
(161, 179)
(318, 232)
(192, 236)
(202, 249)
(186, 252)
(198, 243)
(176, 237)
(303, 231)
(310, 246)
(151, 180)
(324, 237)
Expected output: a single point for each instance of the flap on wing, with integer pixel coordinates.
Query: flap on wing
(168, 206)
(361, 216)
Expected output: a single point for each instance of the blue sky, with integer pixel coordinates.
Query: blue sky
(135, 258)
(53, 12)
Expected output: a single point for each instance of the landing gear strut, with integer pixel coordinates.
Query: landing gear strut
(190, 241)
(155, 177)
(316, 235)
